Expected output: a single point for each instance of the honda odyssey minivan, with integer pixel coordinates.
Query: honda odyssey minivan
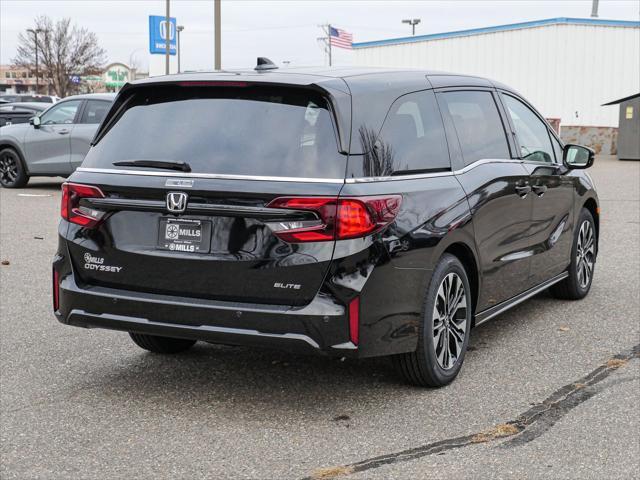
(347, 212)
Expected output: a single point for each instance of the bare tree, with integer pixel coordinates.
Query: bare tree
(64, 50)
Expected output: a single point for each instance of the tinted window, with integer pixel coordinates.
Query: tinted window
(94, 111)
(64, 113)
(412, 138)
(236, 131)
(532, 132)
(475, 117)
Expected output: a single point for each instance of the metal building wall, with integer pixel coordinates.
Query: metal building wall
(567, 71)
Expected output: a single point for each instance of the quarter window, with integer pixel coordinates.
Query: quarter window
(533, 135)
(62, 113)
(477, 122)
(412, 138)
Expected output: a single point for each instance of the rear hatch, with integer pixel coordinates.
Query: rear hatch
(202, 222)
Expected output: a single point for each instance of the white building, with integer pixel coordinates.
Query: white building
(567, 67)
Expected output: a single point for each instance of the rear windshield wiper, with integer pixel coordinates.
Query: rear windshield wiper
(166, 164)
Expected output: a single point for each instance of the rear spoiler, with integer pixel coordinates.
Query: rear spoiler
(334, 89)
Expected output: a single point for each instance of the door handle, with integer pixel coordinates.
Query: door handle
(539, 189)
(523, 190)
(63, 132)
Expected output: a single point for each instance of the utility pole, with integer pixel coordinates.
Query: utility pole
(218, 34)
(167, 39)
(35, 39)
(179, 28)
(594, 9)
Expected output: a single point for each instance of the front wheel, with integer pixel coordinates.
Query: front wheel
(583, 261)
(157, 344)
(444, 331)
(12, 172)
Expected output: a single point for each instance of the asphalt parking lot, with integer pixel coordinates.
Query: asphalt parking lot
(550, 389)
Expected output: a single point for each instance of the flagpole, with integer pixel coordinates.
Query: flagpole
(329, 40)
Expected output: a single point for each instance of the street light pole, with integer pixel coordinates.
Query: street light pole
(167, 39)
(179, 28)
(413, 22)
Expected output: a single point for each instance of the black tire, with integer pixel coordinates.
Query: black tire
(12, 171)
(423, 367)
(161, 344)
(573, 287)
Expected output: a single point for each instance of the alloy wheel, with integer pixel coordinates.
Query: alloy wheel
(449, 321)
(8, 169)
(585, 254)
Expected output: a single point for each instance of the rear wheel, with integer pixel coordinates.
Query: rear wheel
(12, 171)
(583, 261)
(157, 344)
(444, 331)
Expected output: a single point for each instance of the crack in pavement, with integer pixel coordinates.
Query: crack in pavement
(525, 428)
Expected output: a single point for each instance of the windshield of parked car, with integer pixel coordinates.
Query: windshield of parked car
(230, 130)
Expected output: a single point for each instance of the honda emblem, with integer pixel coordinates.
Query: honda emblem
(176, 202)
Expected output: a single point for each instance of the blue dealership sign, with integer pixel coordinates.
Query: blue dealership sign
(158, 32)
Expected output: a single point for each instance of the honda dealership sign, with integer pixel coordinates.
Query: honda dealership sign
(158, 31)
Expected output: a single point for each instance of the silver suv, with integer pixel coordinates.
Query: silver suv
(53, 143)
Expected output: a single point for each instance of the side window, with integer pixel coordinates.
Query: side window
(62, 113)
(94, 111)
(412, 138)
(533, 135)
(477, 122)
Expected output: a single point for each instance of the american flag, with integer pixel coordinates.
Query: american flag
(340, 38)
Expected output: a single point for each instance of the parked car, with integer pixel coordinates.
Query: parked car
(54, 143)
(12, 113)
(28, 97)
(348, 212)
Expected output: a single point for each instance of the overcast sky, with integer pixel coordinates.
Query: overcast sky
(280, 30)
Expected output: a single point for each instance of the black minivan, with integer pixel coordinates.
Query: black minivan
(350, 212)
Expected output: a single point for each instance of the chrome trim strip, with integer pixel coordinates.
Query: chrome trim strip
(206, 328)
(345, 346)
(214, 176)
(391, 178)
(519, 299)
(477, 163)
(221, 176)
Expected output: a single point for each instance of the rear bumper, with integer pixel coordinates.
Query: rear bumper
(322, 327)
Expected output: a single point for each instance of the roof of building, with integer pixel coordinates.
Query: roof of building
(620, 100)
(500, 28)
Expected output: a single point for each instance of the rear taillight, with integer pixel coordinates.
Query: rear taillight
(338, 218)
(70, 208)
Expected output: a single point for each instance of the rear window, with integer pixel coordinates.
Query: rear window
(228, 130)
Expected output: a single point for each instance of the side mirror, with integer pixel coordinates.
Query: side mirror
(577, 156)
(35, 121)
